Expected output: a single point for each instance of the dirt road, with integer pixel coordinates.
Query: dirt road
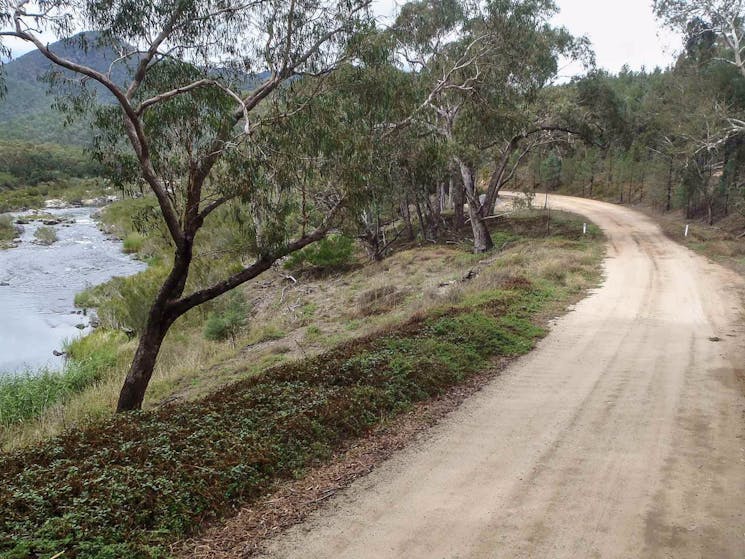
(620, 436)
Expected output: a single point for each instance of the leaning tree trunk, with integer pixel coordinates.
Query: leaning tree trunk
(141, 370)
(159, 320)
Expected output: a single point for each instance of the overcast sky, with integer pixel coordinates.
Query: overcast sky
(621, 31)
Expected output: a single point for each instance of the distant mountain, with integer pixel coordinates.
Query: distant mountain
(26, 111)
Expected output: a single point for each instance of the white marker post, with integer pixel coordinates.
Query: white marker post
(584, 228)
(686, 233)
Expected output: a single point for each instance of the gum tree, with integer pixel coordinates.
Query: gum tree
(480, 68)
(199, 119)
(711, 20)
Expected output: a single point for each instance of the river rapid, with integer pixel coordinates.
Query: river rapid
(38, 286)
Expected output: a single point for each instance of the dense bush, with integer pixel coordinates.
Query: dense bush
(29, 164)
(70, 190)
(226, 322)
(334, 252)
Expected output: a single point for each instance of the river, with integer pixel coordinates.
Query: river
(38, 286)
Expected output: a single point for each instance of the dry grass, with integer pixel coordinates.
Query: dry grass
(182, 356)
(719, 242)
(290, 321)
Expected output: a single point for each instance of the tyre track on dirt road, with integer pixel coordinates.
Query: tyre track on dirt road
(620, 436)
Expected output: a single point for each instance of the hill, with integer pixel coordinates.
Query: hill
(26, 110)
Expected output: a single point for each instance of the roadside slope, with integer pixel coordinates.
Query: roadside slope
(621, 435)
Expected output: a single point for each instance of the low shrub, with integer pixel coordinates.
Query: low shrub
(133, 243)
(127, 487)
(45, 235)
(8, 230)
(223, 326)
(228, 320)
(331, 253)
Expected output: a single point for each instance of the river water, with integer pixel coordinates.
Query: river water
(38, 286)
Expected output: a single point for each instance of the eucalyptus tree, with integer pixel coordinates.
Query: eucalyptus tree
(199, 118)
(479, 67)
(710, 21)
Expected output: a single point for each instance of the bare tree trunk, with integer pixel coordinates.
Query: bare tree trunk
(441, 198)
(450, 193)
(406, 214)
(159, 320)
(435, 211)
(482, 241)
(458, 202)
(669, 201)
(592, 182)
(420, 216)
(641, 184)
(688, 206)
(170, 304)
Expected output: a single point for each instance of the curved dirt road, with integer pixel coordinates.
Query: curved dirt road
(620, 436)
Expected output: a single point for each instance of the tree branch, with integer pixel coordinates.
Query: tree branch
(263, 263)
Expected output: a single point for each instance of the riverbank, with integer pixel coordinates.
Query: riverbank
(284, 321)
(451, 315)
(63, 194)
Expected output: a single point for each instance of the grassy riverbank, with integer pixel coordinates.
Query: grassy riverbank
(284, 321)
(28, 395)
(127, 486)
(8, 231)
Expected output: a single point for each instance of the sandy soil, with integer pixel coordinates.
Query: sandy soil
(622, 435)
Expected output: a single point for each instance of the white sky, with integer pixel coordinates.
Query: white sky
(621, 31)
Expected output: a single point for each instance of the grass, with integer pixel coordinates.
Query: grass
(133, 243)
(719, 242)
(8, 231)
(128, 486)
(185, 354)
(28, 395)
(45, 235)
